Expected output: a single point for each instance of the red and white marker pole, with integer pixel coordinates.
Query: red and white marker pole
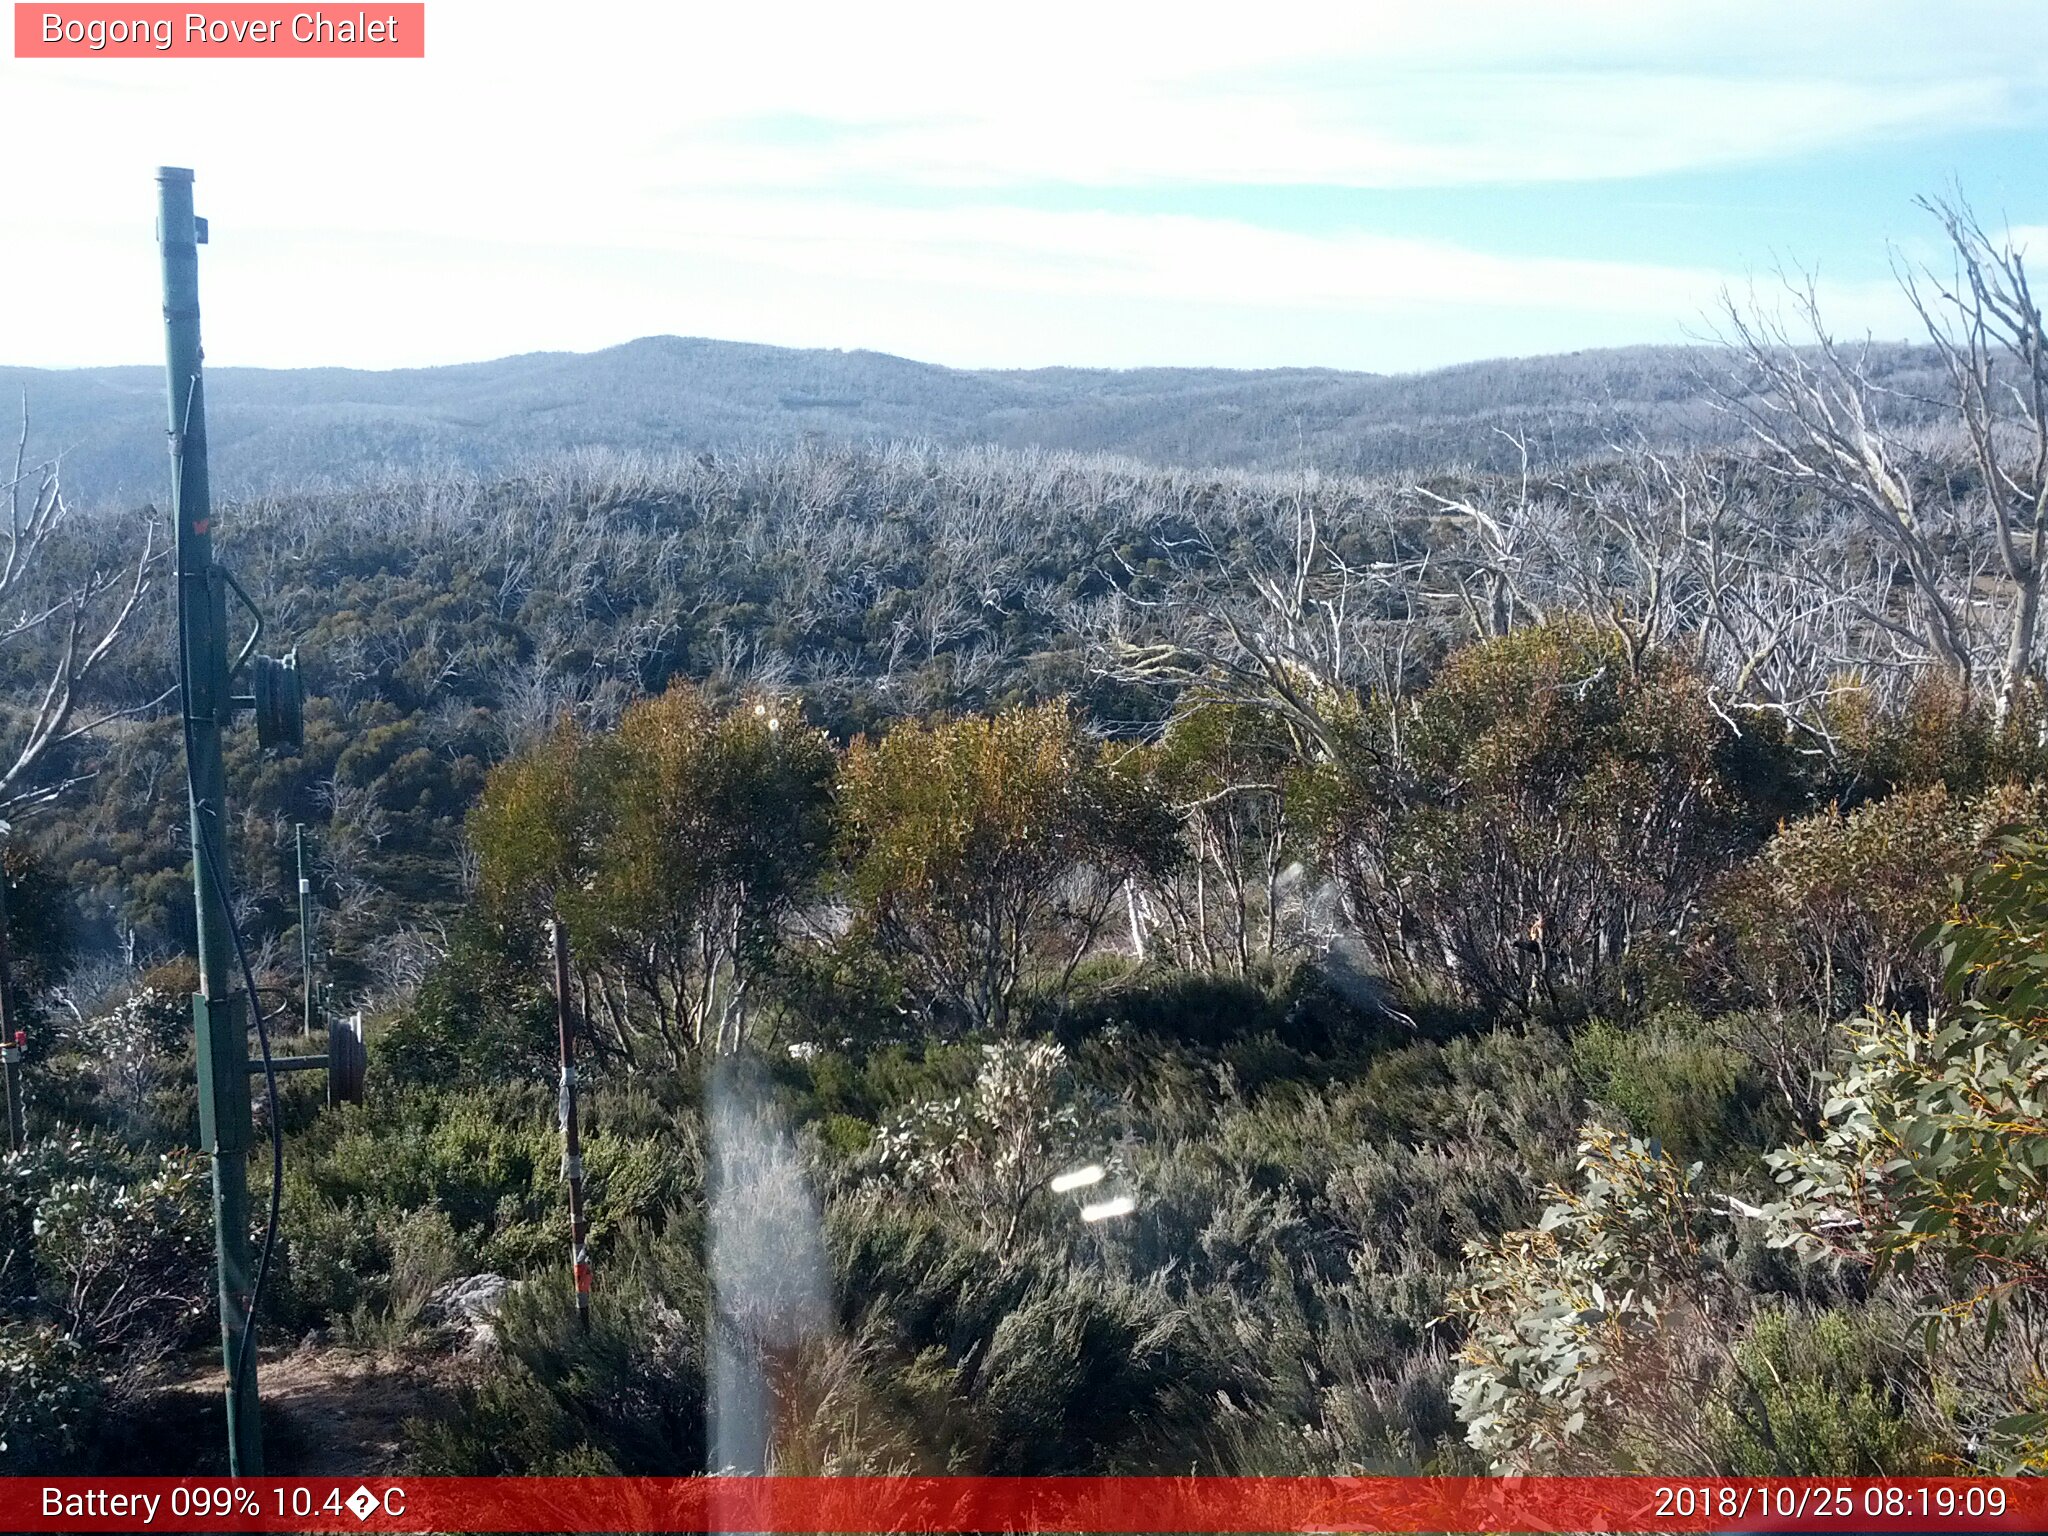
(572, 1145)
(17, 1119)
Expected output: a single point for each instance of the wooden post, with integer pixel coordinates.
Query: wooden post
(572, 1146)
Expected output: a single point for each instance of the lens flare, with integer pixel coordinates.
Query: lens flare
(1106, 1210)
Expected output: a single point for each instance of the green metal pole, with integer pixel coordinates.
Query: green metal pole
(225, 1126)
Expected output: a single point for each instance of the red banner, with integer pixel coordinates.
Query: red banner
(1062, 1504)
(227, 31)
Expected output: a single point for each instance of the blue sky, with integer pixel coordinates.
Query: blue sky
(1375, 186)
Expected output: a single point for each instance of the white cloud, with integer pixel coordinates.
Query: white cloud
(1398, 132)
(1166, 257)
(978, 286)
(621, 97)
(686, 159)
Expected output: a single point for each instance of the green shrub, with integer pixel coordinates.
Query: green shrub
(1095, 1375)
(1513, 1087)
(50, 1400)
(1831, 915)
(482, 1017)
(1823, 1396)
(1189, 1008)
(125, 1069)
(1675, 1084)
(467, 1152)
(626, 1398)
(879, 1083)
(1428, 1200)
(841, 996)
(332, 1259)
(1934, 1134)
(1589, 1336)
(425, 1253)
(846, 1136)
(986, 1155)
(118, 1240)
(447, 1181)
(1944, 733)
(1551, 800)
(985, 854)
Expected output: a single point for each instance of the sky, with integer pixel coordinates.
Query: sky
(1370, 185)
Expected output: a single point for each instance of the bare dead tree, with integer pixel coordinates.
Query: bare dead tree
(1767, 606)
(1820, 418)
(1499, 532)
(1984, 322)
(81, 619)
(1291, 632)
(86, 617)
(1960, 515)
(1673, 552)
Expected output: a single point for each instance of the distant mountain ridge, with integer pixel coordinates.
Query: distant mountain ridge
(279, 428)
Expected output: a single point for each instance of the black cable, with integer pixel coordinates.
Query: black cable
(201, 858)
(220, 892)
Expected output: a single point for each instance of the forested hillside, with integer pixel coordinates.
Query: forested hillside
(286, 429)
(1509, 970)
